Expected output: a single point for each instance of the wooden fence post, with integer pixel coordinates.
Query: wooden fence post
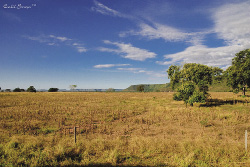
(246, 140)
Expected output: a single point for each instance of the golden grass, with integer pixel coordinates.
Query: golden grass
(122, 129)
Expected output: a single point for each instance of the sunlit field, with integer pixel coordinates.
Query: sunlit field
(122, 129)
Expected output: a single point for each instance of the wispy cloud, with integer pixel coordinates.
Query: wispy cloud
(165, 32)
(101, 8)
(110, 65)
(61, 39)
(232, 23)
(53, 40)
(141, 70)
(128, 51)
(153, 31)
(158, 31)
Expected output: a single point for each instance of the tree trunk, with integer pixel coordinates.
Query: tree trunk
(244, 91)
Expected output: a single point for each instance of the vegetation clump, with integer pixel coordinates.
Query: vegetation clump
(238, 74)
(192, 81)
(53, 90)
(31, 89)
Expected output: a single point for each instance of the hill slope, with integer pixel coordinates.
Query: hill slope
(151, 88)
(215, 87)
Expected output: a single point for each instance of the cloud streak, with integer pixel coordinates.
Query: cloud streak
(143, 71)
(110, 65)
(128, 51)
(167, 33)
(101, 8)
(53, 40)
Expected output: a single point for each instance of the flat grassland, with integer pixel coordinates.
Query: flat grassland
(122, 129)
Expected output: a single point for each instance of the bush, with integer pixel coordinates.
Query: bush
(140, 88)
(31, 89)
(17, 90)
(53, 90)
(197, 97)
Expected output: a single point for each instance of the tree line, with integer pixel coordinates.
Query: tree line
(191, 80)
(30, 89)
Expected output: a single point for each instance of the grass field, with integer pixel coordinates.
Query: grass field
(122, 129)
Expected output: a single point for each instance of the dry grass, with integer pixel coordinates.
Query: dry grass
(124, 129)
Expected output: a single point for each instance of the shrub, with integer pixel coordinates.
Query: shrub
(31, 89)
(53, 90)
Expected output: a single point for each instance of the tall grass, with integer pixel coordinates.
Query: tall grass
(126, 129)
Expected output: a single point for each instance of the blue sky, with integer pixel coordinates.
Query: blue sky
(115, 43)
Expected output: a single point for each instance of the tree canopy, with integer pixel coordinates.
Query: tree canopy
(192, 81)
(72, 87)
(238, 74)
(53, 90)
(31, 89)
(140, 88)
(17, 90)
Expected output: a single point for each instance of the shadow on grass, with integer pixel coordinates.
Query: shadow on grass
(219, 102)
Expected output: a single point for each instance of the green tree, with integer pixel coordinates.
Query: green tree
(238, 74)
(184, 92)
(217, 74)
(7, 90)
(31, 89)
(53, 90)
(174, 75)
(17, 90)
(140, 88)
(192, 81)
(72, 87)
(110, 90)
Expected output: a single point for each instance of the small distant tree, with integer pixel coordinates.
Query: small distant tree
(111, 90)
(53, 90)
(7, 90)
(238, 75)
(140, 88)
(31, 89)
(17, 90)
(72, 87)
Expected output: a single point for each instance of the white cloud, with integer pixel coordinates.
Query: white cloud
(128, 51)
(169, 34)
(160, 31)
(141, 70)
(63, 39)
(110, 65)
(53, 40)
(100, 8)
(232, 23)
(81, 49)
(221, 56)
(135, 70)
